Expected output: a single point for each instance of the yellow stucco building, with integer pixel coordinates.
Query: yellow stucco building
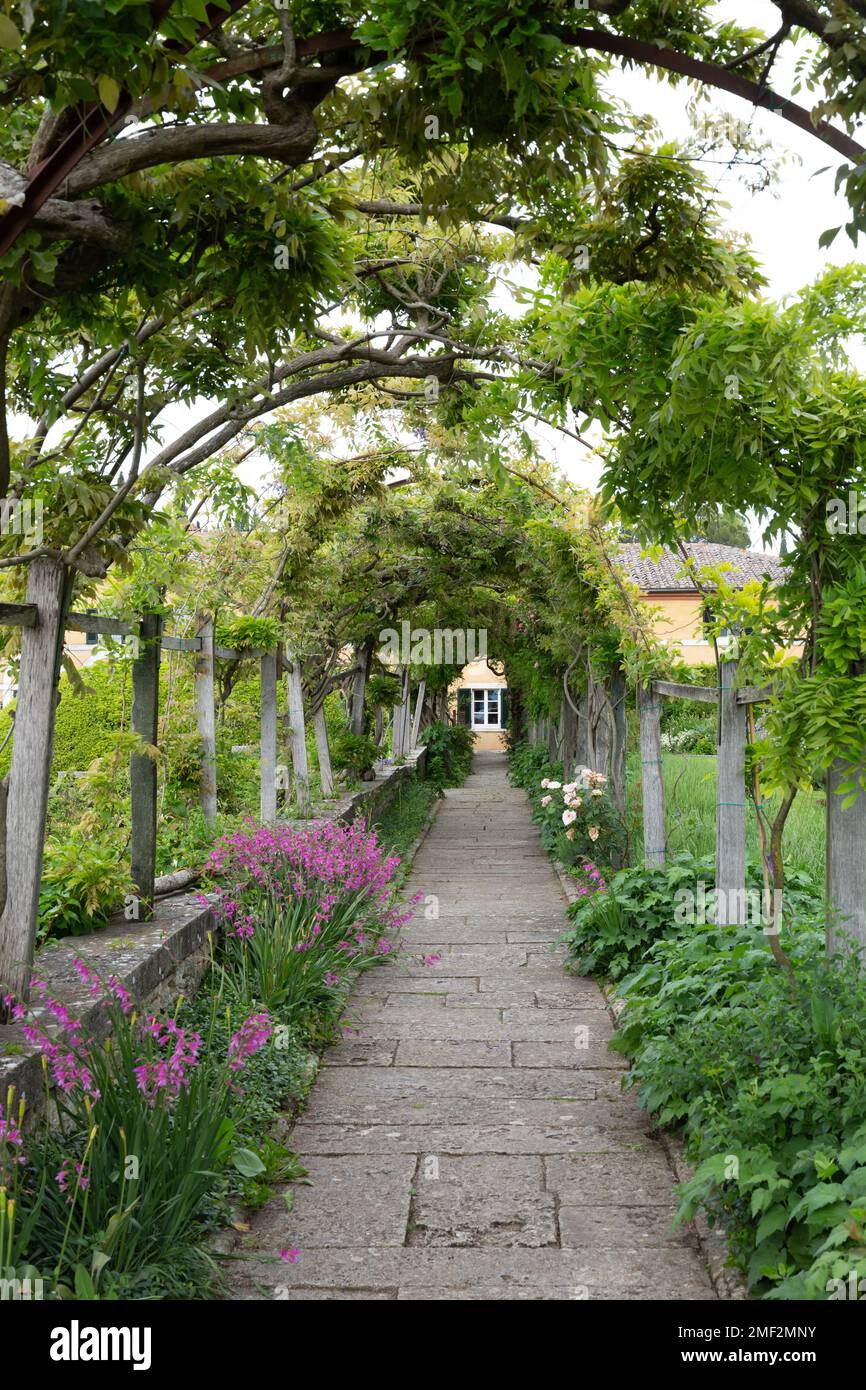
(479, 696)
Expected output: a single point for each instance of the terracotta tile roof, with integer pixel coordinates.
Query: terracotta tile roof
(665, 575)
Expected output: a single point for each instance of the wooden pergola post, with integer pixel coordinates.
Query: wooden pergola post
(268, 742)
(206, 715)
(846, 862)
(652, 782)
(142, 768)
(298, 735)
(619, 738)
(48, 591)
(730, 802)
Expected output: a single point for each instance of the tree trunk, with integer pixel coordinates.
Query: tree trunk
(41, 655)
(416, 722)
(363, 655)
(323, 751)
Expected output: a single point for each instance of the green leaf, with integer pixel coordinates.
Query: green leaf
(109, 92)
(775, 1220)
(10, 35)
(84, 1285)
(248, 1164)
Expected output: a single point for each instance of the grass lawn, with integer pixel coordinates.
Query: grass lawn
(690, 789)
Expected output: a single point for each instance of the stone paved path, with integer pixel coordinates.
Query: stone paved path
(469, 1143)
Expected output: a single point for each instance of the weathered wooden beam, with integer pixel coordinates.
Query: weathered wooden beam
(846, 862)
(671, 690)
(18, 614)
(229, 653)
(731, 904)
(755, 694)
(181, 644)
(206, 717)
(652, 781)
(268, 744)
(142, 769)
(96, 622)
(41, 653)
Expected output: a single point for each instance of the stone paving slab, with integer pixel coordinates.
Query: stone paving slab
(582, 1227)
(602, 1273)
(365, 1082)
(556, 1054)
(583, 1027)
(634, 1179)
(393, 1110)
(478, 1201)
(423, 1052)
(469, 1137)
(516, 1136)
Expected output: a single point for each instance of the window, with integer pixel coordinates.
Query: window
(483, 707)
(486, 710)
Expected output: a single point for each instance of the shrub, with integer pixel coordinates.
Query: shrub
(611, 934)
(354, 754)
(83, 883)
(449, 753)
(578, 819)
(529, 763)
(769, 1088)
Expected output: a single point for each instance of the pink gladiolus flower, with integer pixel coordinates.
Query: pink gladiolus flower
(291, 1256)
(250, 1038)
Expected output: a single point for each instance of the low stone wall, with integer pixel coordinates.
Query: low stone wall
(156, 961)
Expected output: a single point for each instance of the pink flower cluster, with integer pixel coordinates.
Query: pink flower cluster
(170, 1069)
(68, 1060)
(593, 880)
(62, 1177)
(250, 1038)
(323, 863)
